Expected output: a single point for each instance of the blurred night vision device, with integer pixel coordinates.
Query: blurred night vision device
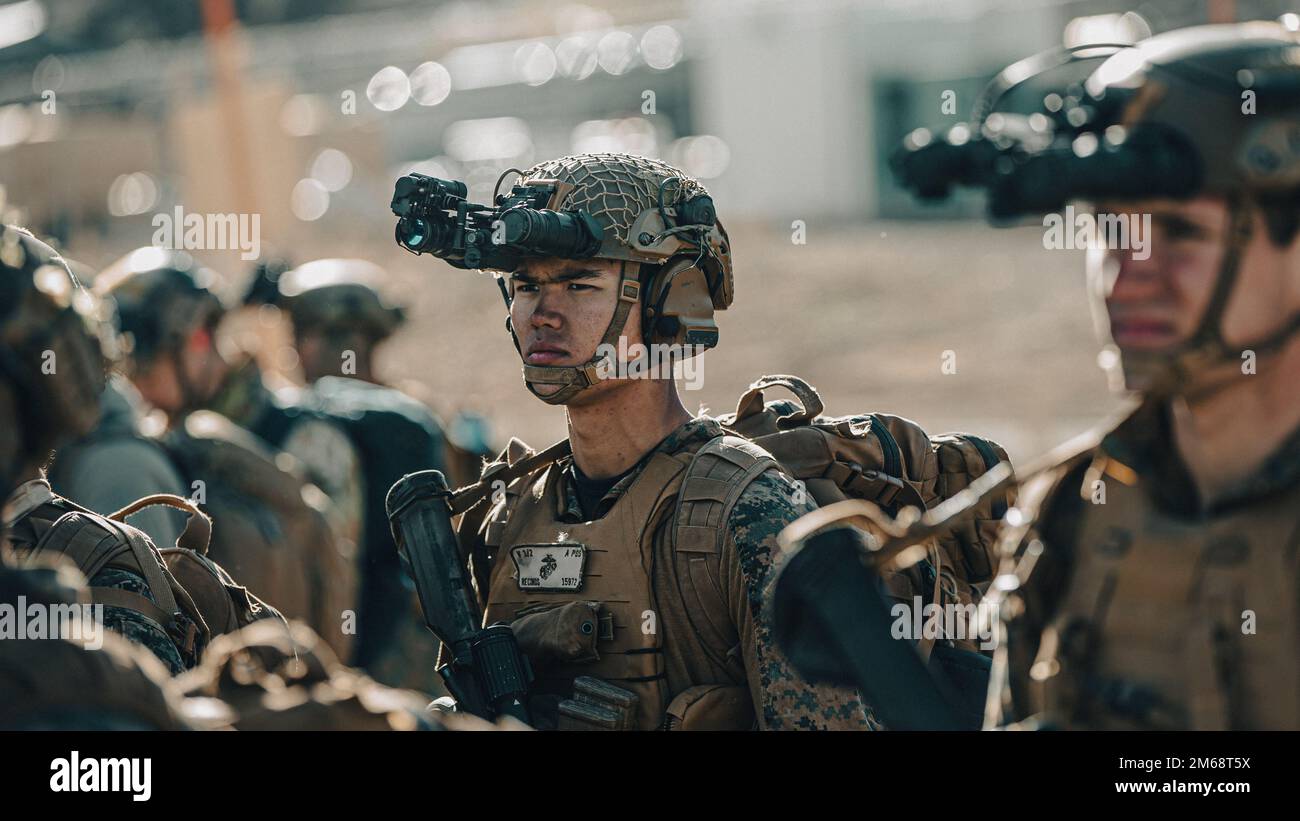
(435, 218)
(1049, 129)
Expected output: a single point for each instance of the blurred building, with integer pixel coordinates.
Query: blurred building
(112, 112)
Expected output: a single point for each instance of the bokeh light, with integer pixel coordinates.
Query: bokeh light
(389, 89)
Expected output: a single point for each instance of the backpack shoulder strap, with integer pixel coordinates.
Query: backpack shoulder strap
(715, 479)
(93, 542)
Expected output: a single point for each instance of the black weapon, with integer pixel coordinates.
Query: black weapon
(832, 622)
(486, 674)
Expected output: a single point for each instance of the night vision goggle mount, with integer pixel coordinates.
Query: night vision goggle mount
(436, 218)
(1071, 147)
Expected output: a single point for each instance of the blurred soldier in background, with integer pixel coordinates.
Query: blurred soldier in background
(1151, 572)
(271, 531)
(354, 434)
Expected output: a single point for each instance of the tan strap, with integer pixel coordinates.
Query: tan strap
(74, 536)
(151, 566)
(469, 496)
(126, 599)
(716, 477)
(925, 644)
(198, 529)
(751, 401)
(874, 485)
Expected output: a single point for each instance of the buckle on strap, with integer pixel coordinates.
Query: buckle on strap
(630, 290)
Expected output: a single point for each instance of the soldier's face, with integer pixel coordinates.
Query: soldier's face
(561, 308)
(1155, 297)
(192, 376)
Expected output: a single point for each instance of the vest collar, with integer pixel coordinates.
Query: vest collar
(1144, 442)
(698, 430)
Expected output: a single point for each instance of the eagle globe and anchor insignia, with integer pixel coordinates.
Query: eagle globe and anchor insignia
(557, 566)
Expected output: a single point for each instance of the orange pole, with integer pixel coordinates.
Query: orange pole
(220, 31)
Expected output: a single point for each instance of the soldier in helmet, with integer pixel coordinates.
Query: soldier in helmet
(51, 376)
(637, 552)
(339, 318)
(271, 529)
(1150, 572)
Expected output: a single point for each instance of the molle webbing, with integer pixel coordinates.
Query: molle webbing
(715, 480)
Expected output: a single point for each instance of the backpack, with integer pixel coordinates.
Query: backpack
(193, 598)
(887, 460)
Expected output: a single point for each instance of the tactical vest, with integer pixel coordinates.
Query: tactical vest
(544, 563)
(1172, 623)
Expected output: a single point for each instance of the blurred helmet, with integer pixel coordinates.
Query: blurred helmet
(52, 353)
(339, 296)
(160, 297)
(662, 224)
(1203, 110)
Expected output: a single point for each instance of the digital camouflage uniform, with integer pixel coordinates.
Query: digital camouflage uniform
(44, 684)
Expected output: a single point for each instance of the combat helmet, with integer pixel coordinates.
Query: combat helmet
(339, 295)
(159, 296)
(52, 353)
(1203, 110)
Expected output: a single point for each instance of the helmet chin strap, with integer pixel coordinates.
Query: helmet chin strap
(1207, 348)
(574, 380)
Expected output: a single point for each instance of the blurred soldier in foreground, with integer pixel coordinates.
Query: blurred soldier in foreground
(636, 553)
(44, 682)
(267, 677)
(270, 529)
(1150, 574)
(339, 319)
(81, 676)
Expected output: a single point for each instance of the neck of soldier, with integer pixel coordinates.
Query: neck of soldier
(1224, 436)
(614, 431)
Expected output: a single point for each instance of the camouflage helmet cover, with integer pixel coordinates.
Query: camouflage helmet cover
(622, 192)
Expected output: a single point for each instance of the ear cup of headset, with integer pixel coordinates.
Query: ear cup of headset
(679, 307)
